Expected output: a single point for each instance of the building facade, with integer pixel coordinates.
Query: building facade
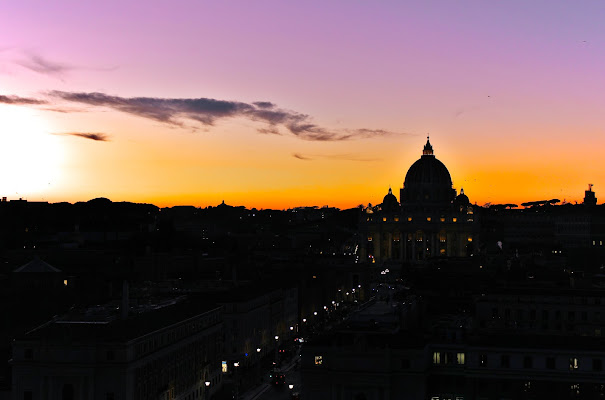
(429, 220)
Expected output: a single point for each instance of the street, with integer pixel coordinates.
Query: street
(283, 392)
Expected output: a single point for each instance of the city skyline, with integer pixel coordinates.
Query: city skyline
(278, 105)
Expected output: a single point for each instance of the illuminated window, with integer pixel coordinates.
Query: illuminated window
(573, 363)
(224, 366)
(460, 358)
(454, 219)
(442, 219)
(64, 282)
(369, 238)
(319, 360)
(384, 219)
(436, 357)
(428, 219)
(442, 252)
(470, 239)
(409, 219)
(442, 237)
(469, 210)
(396, 219)
(575, 389)
(593, 242)
(483, 360)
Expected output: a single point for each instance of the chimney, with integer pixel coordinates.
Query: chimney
(125, 307)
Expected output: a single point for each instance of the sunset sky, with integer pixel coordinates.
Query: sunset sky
(278, 104)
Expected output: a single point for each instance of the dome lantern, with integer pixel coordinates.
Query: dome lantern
(428, 149)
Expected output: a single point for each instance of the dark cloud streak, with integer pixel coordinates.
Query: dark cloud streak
(300, 156)
(16, 100)
(37, 63)
(342, 157)
(96, 136)
(206, 111)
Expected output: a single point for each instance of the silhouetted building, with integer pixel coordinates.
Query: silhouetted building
(430, 221)
(589, 196)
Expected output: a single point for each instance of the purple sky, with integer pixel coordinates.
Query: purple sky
(511, 86)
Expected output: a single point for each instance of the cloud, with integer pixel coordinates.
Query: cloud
(363, 132)
(206, 111)
(264, 104)
(96, 136)
(300, 156)
(41, 65)
(271, 130)
(37, 63)
(20, 100)
(344, 157)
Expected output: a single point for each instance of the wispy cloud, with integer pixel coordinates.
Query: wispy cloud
(96, 136)
(206, 111)
(21, 100)
(42, 65)
(179, 112)
(37, 63)
(300, 156)
(344, 157)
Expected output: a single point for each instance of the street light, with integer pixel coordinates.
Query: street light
(291, 387)
(236, 364)
(258, 349)
(207, 383)
(276, 349)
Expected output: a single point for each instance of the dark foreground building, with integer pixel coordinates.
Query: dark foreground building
(166, 350)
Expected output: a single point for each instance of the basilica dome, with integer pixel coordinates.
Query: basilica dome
(390, 203)
(427, 180)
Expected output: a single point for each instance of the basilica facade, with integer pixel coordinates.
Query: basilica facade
(430, 219)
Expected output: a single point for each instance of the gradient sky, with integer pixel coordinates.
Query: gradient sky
(113, 99)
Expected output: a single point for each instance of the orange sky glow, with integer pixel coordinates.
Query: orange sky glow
(247, 105)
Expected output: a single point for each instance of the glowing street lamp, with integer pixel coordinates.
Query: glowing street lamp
(207, 383)
(258, 349)
(291, 387)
